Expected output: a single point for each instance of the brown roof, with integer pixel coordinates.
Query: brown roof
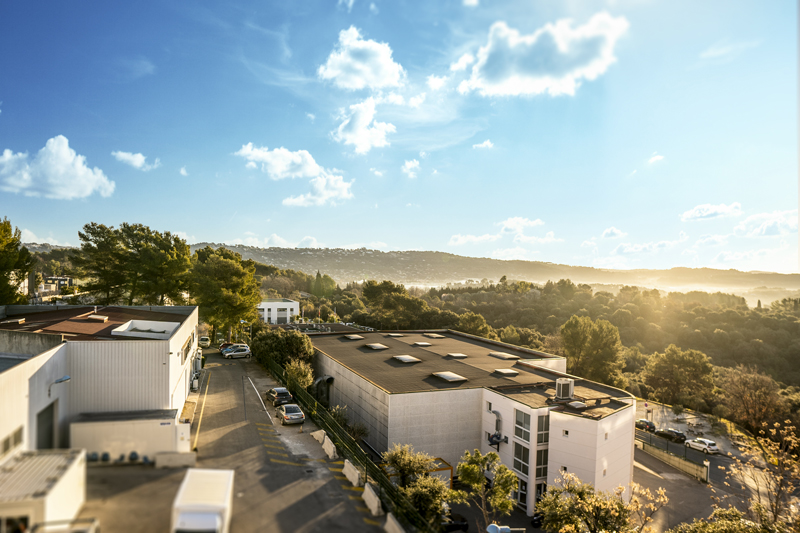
(73, 321)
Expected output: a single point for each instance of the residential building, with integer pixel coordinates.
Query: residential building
(446, 392)
(278, 310)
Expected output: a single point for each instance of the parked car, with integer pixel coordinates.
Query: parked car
(224, 345)
(204, 342)
(239, 351)
(454, 522)
(290, 414)
(279, 396)
(646, 425)
(704, 445)
(233, 347)
(671, 434)
(537, 520)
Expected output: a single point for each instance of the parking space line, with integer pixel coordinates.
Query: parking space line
(276, 453)
(357, 489)
(336, 469)
(356, 498)
(371, 522)
(340, 478)
(202, 409)
(272, 446)
(285, 462)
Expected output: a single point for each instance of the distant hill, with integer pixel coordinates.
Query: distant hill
(439, 268)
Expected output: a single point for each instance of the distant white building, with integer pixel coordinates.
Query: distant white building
(278, 310)
(446, 392)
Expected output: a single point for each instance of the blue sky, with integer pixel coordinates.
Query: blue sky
(618, 134)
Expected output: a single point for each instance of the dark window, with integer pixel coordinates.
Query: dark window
(541, 463)
(521, 458)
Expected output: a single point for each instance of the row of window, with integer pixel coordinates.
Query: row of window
(10, 442)
(522, 427)
(522, 460)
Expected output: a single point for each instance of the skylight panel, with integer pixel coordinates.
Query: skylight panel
(457, 355)
(433, 336)
(422, 344)
(395, 335)
(406, 359)
(450, 377)
(504, 356)
(506, 371)
(377, 346)
(354, 337)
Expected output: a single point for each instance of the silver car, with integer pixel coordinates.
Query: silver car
(704, 445)
(239, 351)
(290, 414)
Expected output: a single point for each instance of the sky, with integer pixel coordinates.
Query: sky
(614, 134)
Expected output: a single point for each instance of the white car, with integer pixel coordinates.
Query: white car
(204, 342)
(704, 445)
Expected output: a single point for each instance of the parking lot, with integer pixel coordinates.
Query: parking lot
(284, 482)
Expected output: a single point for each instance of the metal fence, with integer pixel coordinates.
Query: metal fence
(389, 493)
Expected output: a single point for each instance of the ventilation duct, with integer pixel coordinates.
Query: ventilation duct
(565, 388)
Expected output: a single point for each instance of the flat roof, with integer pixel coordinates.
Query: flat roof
(124, 416)
(9, 360)
(278, 300)
(74, 322)
(532, 385)
(29, 475)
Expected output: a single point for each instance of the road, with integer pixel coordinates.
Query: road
(719, 462)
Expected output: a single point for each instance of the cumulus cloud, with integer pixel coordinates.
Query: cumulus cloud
(711, 240)
(416, 101)
(30, 237)
(377, 172)
(613, 233)
(311, 116)
(373, 8)
(470, 3)
(276, 241)
(768, 224)
(183, 171)
(531, 239)
(554, 59)
(647, 247)
(463, 62)
(458, 239)
(655, 158)
(518, 224)
(280, 163)
(357, 63)
(360, 129)
(326, 189)
(410, 168)
(56, 171)
(589, 244)
(346, 3)
(436, 82)
(485, 144)
(706, 211)
(137, 161)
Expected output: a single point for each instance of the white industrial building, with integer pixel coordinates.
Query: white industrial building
(278, 310)
(109, 381)
(445, 392)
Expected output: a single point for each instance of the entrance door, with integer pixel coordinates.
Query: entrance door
(522, 494)
(45, 428)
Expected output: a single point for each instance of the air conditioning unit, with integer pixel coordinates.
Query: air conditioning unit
(565, 387)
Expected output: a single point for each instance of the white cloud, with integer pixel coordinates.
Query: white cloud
(311, 116)
(434, 172)
(436, 82)
(423, 155)
(326, 189)
(723, 51)
(185, 236)
(56, 171)
(706, 211)
(470, 3)
(463, 62)
(391, 98)
(589, 244)
(648, 247)
(517, 225)
(554, 59)
(280, 163)
(374, 245)
(251, 164)
(458, 239)
(485, 144)
(29, 237)
(548, 238)
(347, 3)
(410, 168)
(655, 158)
(373, 8)
(517, 253)
(308, 242)
(361, 130)
(137, 161)
(768, 224)
(357, 63)
(184, 172)
(416, 101)
(377, 172)
(711, 240)
(613, 233)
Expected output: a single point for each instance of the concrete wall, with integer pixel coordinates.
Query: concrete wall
(145, 437)
(366, 403)
(442, 423)
(179, 370)
(65, 500)
(24, 342)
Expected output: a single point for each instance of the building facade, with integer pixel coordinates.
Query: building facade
(278, 310)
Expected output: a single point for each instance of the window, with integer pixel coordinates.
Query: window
(523, 425)
(541, 488)
(565, 432)
(543, 430)
(541, 463)
(18, 436)
(489, 406)
(606, 435)
(521, 458)
(604, 472)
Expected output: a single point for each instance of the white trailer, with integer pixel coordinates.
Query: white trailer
(204, 502)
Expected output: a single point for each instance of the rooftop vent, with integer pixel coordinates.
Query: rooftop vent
(377, 346)
(423, 344)
(450, 377)
(506, 371)
(354, 337)
(504, 356)
(458, 355)
(395, 335)
(564, 388)
(433, 336)
(97, 318)
(14, 321)
(406, 359)
(577, 405)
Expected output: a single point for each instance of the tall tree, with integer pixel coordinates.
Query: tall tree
(752, 397)
(99, 262)
(16, 262)
(136, 241)
(166, 264)
(492, 499)
(679, 376)
(593, 350)
(402, 461)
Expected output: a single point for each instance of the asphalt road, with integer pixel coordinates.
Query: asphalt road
(719, 462)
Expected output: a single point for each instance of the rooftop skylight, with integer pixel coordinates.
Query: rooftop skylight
(422, 344)
(433, 336)
(506, 371)
(395, 335)
(450, 377)
(406, 359)
(504, 356)
(457, 355)
(377, 346)
(354, 337)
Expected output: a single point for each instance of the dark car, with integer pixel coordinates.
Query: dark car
(279, 396)
(455, 522)
(225, 345)
(537, 520)
(646, 425)
(671, 434)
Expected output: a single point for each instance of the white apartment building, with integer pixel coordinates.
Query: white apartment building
(278, 310)
(446, 392)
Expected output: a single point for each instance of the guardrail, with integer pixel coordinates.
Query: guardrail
(684, 464)
(389, 493)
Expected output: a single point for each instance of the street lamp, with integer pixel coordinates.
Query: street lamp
(56, 382)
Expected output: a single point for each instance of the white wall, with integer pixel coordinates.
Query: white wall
(180, 372)
(442, 423)
(145, 437)
(65, 500)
